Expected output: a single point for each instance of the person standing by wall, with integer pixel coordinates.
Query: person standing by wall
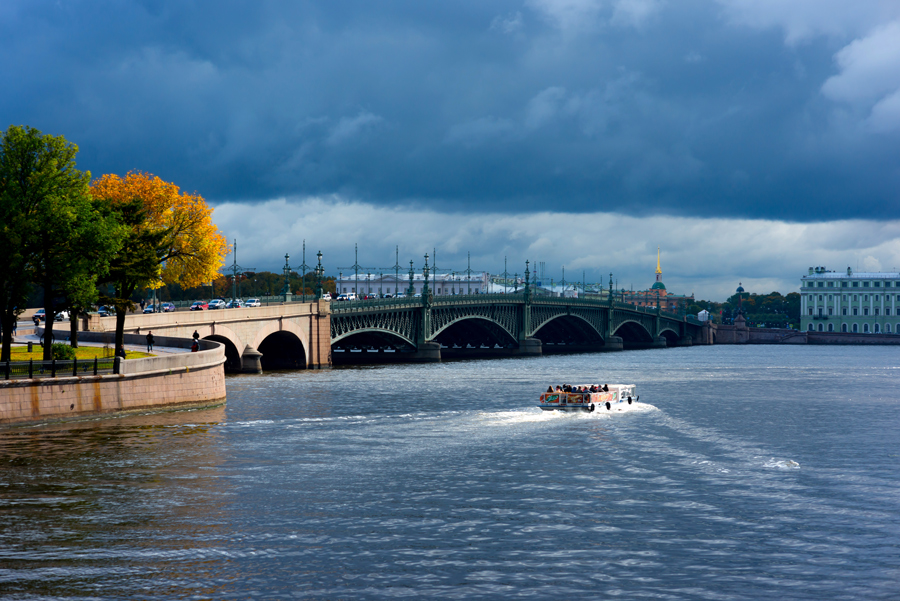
(149, 342)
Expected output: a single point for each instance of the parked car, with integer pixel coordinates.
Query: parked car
(200, 306)
(40, 314)
(253, 302)
(216, 303)
(347, 296)
(104, 311)
(62, 316)
(326, 296)
(235, 303)
(388, 295)
(150, 309)
(168, 308)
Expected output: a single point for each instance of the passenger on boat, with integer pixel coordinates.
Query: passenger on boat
(550, 389)
(606, 388)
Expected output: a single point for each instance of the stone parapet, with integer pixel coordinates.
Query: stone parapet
(176, 380)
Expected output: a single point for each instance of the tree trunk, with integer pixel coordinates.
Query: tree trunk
(7, 319)
(49, 318)
(73, 327)
(120, 327)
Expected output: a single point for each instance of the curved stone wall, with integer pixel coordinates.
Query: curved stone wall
(178, 380)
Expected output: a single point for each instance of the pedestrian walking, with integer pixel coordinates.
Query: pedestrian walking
(149, 342)
(142, 305)
(196, 335)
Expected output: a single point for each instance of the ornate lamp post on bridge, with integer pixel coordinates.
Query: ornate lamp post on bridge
(320, 271)
(286, 291)
(411, 291)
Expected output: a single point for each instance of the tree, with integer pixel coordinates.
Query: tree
(50, 226)
(171, 238)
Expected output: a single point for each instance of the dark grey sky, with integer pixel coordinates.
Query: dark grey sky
(732, 108)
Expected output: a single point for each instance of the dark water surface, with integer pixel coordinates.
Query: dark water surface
(762, 473)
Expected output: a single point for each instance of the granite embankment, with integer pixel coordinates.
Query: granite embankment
(167, 381)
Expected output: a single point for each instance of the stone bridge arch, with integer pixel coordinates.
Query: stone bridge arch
(634, 333)
(284, 342)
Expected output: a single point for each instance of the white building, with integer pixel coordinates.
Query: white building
(380, 284)
(860, 303)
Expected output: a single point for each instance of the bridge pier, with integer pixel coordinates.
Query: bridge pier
(613, 343)
(427, 352)
(251, 361)
(685, 341)
(530, 347)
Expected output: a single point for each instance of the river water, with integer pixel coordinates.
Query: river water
(755, 473)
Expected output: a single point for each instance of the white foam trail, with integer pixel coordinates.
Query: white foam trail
(782, 464)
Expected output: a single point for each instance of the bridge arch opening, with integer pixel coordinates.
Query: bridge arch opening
(282, 350)
(369, 346)
(568, 333)
(475, 333)
(232, 355)
(634, 335)
(671, 337)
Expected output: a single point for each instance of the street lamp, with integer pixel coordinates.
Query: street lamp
(319, 272)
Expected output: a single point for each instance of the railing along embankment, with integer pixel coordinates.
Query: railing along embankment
(167, 381)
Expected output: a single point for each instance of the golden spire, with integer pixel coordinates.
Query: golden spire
(658, 270)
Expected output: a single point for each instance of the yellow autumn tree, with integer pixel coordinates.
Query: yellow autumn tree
(191, 249)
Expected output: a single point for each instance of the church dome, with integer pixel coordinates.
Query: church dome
(658, 286)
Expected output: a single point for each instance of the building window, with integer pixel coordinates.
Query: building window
(810, 310)
(844, 311)
(876, 298)
(831, 310)
(821, 284)
(829, 297)
(855, 298)
(843, 284)
(831, 327)
(844, 328)
(855, 329)
(820, 311)
(876, 310)
(877, 329)
(820, 297)
(887, 328)
(856, 284)
(865, 328)
(811, 328)
(821, 327)
(865, 298)
(845, 297)
(887, 284)
(856, 310)
(865, 310)
(877, 284)
(831, 284)
(887, 310)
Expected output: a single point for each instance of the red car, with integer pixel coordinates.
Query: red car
(200, 306)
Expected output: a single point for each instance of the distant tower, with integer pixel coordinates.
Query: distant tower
(740, 292)
(658, 269)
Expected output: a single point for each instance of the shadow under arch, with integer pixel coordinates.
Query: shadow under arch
(475, 332)
(282, 350)
(671, 337)
(370, 346)
(568, 334)
(634, 335)
(232, 355)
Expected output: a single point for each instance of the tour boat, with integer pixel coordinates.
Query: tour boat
(619, 397)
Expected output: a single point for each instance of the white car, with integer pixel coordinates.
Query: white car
(216, 303)
(253, 302)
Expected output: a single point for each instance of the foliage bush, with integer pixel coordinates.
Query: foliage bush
(63, 352)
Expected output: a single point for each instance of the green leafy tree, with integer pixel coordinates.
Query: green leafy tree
(58, 229)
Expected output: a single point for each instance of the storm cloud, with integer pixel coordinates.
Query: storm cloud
(758, 109)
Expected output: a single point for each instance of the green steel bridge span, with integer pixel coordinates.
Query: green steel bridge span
(430, 328)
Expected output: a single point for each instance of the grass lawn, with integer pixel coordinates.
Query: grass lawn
(20, 353)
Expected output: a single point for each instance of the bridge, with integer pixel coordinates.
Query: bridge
(431, 328)
(321, 333)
